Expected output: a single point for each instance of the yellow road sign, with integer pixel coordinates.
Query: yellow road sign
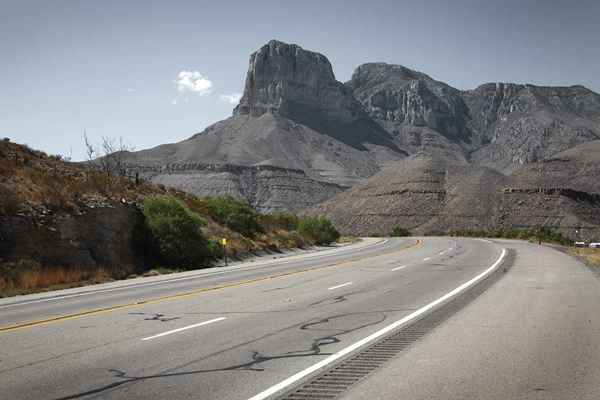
(224, 242)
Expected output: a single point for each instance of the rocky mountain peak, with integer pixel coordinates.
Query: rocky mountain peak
(381, 73)
(279, 73)
(287, 81)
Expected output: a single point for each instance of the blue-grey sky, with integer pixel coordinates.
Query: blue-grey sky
(159, 71)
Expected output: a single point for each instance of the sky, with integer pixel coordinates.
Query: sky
(154, 72)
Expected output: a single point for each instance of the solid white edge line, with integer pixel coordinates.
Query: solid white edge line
(339, 286)
(398, 268)
(302, 257)
(185, 328)
(315, 367)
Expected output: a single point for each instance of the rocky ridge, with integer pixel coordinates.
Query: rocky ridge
(324, 136)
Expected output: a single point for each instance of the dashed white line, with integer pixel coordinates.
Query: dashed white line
(185, 328)
(339, 286)
(427, 259)
(323, 363)
(399, 268)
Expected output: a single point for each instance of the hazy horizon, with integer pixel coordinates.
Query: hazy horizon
(154, 72)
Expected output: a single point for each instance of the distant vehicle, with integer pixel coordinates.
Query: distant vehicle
(580, 244)
(595, 245)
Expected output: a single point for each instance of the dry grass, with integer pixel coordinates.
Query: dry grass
(27, 276)
(590, 256)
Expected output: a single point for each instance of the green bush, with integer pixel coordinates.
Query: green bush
(235, 215)
(175, 232)
(400, 231)
(319, 230)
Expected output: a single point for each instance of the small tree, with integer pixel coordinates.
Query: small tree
(110, 156)
(318, 230)
(175, 231)
(397, 230)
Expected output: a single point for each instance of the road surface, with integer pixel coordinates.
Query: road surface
(263, 329)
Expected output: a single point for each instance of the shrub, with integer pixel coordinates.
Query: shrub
(175, 232)
(318, 230)
(400, 231)
(279, 220)
(235, 215)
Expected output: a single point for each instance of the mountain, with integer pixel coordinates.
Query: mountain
(500, 125)
(299, 137)
(421, 113)
(294, 118)
(527, 123)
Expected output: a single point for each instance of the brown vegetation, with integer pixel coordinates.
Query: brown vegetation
(589, 256)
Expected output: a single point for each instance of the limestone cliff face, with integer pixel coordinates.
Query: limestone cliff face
(420, 112)
(298, 84)
(499, 125)
(280, 75)
(520, 124)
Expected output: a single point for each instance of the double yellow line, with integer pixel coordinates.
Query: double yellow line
(98, 311)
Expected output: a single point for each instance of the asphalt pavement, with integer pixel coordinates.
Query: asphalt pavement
(255, 330)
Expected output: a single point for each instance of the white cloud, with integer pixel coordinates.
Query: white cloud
(130, 90)
(233, 98)
(193, 81)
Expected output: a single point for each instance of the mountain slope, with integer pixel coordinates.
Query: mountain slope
(432, 194)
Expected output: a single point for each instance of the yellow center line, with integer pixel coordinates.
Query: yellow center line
(97, 311)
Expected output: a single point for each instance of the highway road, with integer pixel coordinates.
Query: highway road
(496, 319)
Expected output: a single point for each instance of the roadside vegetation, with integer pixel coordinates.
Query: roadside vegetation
(319, 230)
(179, 231)
(590, 256)
(400, 231)
(542, 234)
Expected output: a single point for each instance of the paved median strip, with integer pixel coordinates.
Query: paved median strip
(185, 328)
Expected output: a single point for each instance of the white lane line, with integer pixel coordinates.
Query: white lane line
(441, 253)
(339, 286)
(398, 268)
(185, 328)
(245, 268)
(315, 367)
(427, 259)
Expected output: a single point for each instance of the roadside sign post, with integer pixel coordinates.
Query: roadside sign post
(224, 243)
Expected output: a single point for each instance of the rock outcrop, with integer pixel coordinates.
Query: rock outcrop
(525, 123)
(99, 237)
(499, 125)
(418, 111)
